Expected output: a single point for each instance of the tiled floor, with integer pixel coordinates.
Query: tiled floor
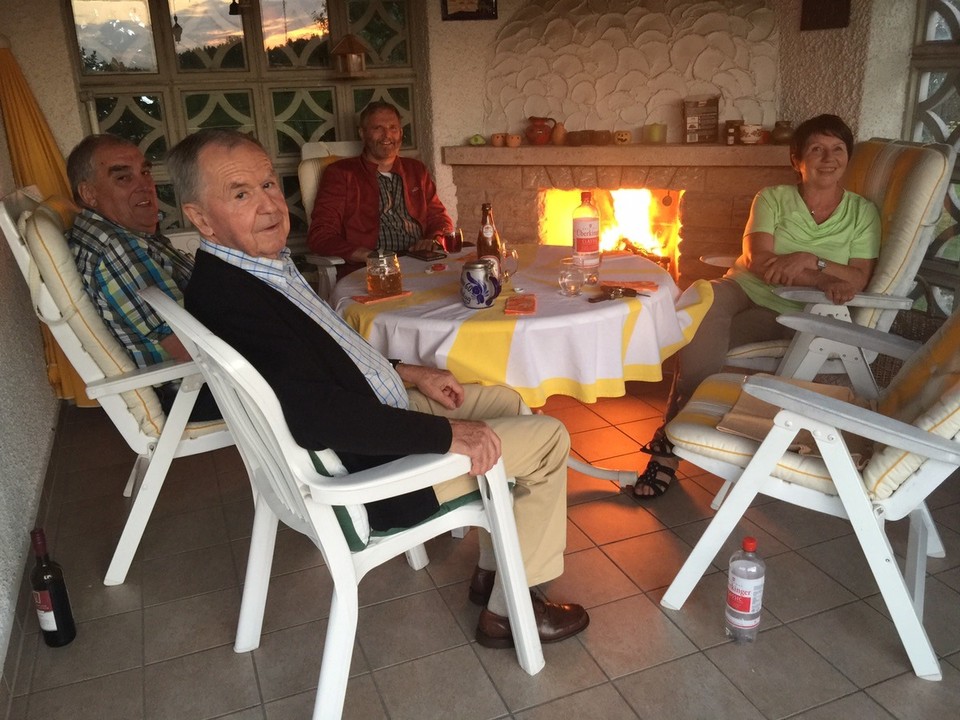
(160, 646)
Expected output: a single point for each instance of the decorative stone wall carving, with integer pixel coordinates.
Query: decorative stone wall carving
(630, 64)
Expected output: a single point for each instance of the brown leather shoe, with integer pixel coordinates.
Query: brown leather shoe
(481, 585)
(555, 621)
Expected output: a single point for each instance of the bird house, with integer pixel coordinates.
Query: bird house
(349, 56)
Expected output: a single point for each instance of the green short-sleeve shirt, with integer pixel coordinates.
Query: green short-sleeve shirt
(852, 231)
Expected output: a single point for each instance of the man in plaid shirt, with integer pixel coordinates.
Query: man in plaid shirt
(119, 251)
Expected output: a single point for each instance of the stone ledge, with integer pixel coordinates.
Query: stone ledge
(668, 154)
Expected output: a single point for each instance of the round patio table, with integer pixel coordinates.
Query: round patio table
(569, 346)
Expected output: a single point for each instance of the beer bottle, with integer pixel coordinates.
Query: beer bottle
(489, 245)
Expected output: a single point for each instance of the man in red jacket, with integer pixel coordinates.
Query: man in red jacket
(376, 200)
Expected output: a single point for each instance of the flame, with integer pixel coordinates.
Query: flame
(644, 220)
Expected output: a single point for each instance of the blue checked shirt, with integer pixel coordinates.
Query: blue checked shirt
(115, 263)
(282, 275)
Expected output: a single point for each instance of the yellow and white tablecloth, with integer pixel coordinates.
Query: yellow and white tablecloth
(569, 347)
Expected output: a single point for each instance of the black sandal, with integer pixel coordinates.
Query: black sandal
(659, 445)
(652, 478)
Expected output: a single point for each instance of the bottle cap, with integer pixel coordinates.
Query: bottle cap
(749, 544)
(39, 540)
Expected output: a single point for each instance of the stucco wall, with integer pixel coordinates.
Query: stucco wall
(28, 406)
(859, 72)
(600, 66)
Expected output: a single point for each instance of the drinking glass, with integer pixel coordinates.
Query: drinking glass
(452, 241)
(570, 277)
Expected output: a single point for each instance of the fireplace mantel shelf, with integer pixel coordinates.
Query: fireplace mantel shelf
(670, 154)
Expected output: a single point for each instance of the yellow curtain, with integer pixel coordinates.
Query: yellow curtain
(36, 160)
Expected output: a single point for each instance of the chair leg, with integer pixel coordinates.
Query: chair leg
(145, 497)
(503, 532)
(417, 557)
(139, 469)
(935, 547)
(915, 568)
(337, 652)
(257, 578)
(876, 547)
(738, 500)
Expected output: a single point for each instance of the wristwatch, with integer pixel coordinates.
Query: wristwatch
(821, 264)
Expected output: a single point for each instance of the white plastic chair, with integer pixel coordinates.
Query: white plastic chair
(34, 231)
(915, 439)
(288, 487)
(314, 158)
(907, 182)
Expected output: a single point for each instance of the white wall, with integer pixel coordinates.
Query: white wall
(28, 407)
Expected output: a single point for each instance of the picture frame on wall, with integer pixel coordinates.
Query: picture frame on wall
(468, 9)
(824, 14)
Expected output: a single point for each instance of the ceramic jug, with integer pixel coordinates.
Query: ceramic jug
(539, 129)
(558, 136)
(479, 284)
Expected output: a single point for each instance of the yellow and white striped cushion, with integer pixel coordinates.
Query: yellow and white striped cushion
(906, 183)
(43, 231)
(695, 428)
(925, 393)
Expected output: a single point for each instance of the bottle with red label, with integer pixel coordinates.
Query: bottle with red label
(744, 593)
(50, 595)
(586, 238)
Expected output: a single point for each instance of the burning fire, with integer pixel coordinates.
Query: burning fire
(640, 220)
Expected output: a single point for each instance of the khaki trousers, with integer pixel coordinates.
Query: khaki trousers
(535, 450)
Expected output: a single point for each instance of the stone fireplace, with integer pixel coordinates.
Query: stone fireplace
(719, 183)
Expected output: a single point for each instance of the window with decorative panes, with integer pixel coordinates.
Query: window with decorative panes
(934, 116)
(154, 71)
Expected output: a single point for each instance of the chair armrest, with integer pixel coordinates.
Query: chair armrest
(811, 296)
(853, 419)
(724, 261)
(403, 475)
(323, 260)
(144, 377)
(850, 334)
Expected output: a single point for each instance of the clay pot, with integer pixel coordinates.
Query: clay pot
(782, 132)
(539, 129)
(498, 139)
(558, 136)
(513, 140)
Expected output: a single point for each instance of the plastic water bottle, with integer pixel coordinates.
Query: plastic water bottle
(586, 238)
(744, 593)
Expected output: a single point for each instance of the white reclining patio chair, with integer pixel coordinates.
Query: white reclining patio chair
(907, 182)
(35, 232)
(312, 493)
(912, 445)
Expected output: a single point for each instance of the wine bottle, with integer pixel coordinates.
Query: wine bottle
(50, 595)
(489, 245)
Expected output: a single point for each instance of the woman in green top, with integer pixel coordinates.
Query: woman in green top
(813, 234)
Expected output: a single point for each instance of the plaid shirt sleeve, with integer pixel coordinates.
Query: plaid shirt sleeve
(115, 268)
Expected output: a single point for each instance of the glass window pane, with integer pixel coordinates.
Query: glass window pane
(114, 36)
(232, 110)
(943, 21)
(383, 26)
(210, 38)
(138, 118)
(301, 116)
(296, 33)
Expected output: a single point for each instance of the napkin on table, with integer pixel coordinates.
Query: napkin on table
(520, 305)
